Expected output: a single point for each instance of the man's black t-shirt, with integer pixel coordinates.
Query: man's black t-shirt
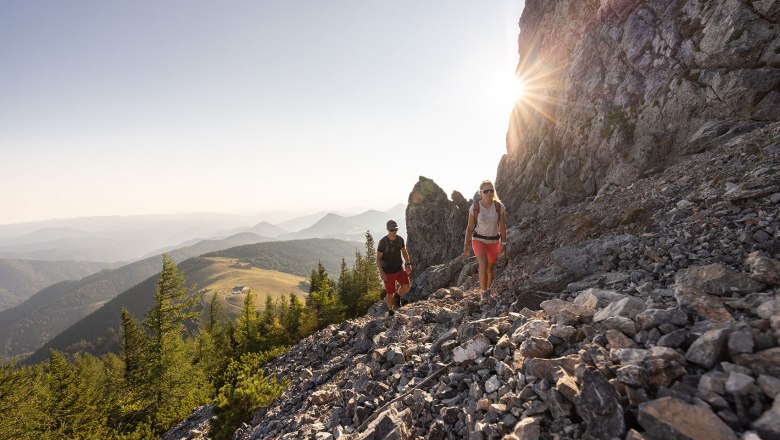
(391, 253)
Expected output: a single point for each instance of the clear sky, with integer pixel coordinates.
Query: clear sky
(138, 107)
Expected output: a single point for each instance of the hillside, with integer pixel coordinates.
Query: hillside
(20, 279)
(97, 332)
(28, 325)
(296, 257)
(645, 313)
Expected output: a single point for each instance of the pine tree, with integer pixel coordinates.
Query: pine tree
(294, 317)
(369, 285)
(346, 290)
(318, 277)
(172, 383)
(24, 399)
(326, 305)
(245, 334)
(269, 311)
(133, 350)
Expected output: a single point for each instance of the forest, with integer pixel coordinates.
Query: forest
(179, 356)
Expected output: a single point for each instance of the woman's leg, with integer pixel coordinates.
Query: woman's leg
(480, 251)
(491, 255)
(483, 271)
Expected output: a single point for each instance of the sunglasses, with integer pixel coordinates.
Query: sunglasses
(488, 191)
(393, 230)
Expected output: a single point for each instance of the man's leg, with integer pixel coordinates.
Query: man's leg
(390, 301)
(390, 289)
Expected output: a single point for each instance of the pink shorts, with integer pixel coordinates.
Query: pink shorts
(402, 277)
(482, 248)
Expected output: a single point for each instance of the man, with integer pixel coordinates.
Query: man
(388, 260)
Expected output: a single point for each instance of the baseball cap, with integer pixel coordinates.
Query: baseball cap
(391, 224)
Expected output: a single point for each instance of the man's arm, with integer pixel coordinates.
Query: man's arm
(379, 265)
(408, 265)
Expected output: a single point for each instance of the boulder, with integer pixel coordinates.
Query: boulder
(697, 302)
(390, 425)
(709, 349)
(321, 397)
(669, 418)
(599, 407)
(566, 311)
(589, 257)
(652, 318)
(717, 279)
(536, 348)
(435, 277)
(627, 307)
(768, 425)
(471, 349)
(764, 269)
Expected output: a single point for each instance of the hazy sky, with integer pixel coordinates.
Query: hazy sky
(136, 107)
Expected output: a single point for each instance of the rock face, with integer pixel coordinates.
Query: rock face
(435, 225)
(618, 88)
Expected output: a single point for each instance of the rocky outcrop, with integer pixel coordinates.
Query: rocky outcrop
(617, 349)
(618, 89)
(435, 225)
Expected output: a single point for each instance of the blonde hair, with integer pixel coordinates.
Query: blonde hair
(495, 193)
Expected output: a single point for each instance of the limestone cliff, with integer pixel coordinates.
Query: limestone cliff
(618, 89)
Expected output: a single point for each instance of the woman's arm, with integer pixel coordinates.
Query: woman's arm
(469, 231)
(502, 229)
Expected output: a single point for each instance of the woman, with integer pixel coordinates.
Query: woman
(486, 232)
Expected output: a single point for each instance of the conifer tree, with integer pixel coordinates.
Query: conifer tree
(246, 331)
(346, 290)
(269, 311)
(133, 350)
(318, 277)
(326, 305)
(171, 383)
(294, 317)
(368, 283)
(23, 397)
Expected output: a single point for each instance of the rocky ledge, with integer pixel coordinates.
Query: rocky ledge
(645, 312)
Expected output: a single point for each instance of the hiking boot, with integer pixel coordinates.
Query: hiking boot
(402, 302)
(397, 300)
(390, 312)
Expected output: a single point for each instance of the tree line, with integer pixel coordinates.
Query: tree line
(179, 356)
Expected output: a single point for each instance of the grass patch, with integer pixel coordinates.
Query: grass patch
(221, 274)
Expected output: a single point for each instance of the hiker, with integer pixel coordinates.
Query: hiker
(486, 232)
(388, 259)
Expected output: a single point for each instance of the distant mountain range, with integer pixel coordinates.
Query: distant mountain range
(27, 326)
(130, 238)
(98, 332)
(20, 279)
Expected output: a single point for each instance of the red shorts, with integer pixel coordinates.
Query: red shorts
(482, 248)
(402, 277)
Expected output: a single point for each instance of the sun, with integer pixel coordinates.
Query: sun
(511, 90)
(517, 88)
